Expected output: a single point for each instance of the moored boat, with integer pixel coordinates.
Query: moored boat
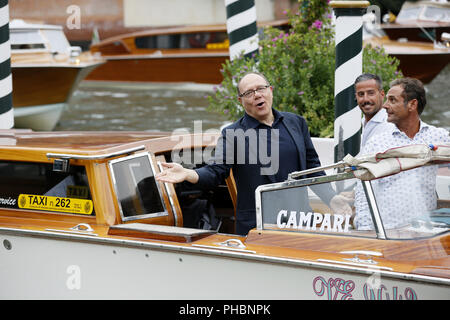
(45, 72)
(418, 38)
(420, 60)
(82, 215)
(177, 54)
(419, 21)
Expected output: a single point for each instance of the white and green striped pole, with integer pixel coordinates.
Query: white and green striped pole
(241, 27)
(347, 123)
(6, 110)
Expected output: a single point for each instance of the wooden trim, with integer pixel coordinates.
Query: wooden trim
(429, 249)
(231, 184)
(176, 204)
(158, 232)
(349, 4)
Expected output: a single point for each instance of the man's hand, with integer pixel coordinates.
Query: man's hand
(340, 204)
(175, 173)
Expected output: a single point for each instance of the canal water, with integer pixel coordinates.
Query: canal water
(163, 107)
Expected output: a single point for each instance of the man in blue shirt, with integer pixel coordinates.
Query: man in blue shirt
(263, 146)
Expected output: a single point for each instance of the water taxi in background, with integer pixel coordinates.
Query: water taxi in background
(420, 21)
(176, 54)
(419, 38)
(82, 216)
(45, 72)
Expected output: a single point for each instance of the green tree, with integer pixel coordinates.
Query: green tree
(300, 64)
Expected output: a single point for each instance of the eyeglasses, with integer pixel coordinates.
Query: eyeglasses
(251, 93)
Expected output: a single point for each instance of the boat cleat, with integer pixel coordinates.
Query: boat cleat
(367, 254)
(232, 243)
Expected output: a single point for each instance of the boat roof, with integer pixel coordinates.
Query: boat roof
(184, 29)
(75, 142)
(26, 144)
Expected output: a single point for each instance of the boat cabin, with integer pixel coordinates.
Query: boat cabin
(32, 40)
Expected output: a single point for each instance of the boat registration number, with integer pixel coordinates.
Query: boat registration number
(61, 204)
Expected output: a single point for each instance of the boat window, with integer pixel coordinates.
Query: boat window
(180, 41)
(36, 186)
(298, 206)
(58, 41)
(31, 39)
(138, 194)
(408, 14)
(158, 42)
(436, 14)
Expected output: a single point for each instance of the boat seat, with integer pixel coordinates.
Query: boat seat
(159, 232)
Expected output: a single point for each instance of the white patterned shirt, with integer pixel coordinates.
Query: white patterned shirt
(405, 195)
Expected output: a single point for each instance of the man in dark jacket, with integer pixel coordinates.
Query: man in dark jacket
(262, 147)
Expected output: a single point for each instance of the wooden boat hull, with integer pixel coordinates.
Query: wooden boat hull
(42, 85)
(40, 93)
(419, 60)
(424, 67)
(88, 267)
(173, 68)
(412, 32)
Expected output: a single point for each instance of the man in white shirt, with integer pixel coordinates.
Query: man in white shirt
(369, 96)
(408, 194)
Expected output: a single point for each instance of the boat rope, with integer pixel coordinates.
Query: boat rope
(347, 124)
(6, 110)
(241, 27)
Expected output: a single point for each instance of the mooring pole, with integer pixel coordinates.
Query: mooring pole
(6, 110)
(347, 123)
(241, 27)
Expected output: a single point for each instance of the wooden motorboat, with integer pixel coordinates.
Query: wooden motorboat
(420, 21)
(82, 217)
(45, 71)
(420, 60)
(177, 54)
(417, 38)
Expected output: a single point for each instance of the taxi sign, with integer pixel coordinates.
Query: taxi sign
(61, 204)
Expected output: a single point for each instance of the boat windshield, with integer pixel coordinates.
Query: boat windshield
(138, 194)
(182, 41)
(436, 12)
(340, 204)
(27, 40)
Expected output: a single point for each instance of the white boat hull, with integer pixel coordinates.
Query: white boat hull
(48, 265)
(38, 118)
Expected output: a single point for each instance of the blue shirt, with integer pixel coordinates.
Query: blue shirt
(251, 163)
(287, 153)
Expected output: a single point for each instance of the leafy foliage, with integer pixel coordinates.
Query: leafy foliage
(300, 65)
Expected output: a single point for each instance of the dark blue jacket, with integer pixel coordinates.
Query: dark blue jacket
(247, 176)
